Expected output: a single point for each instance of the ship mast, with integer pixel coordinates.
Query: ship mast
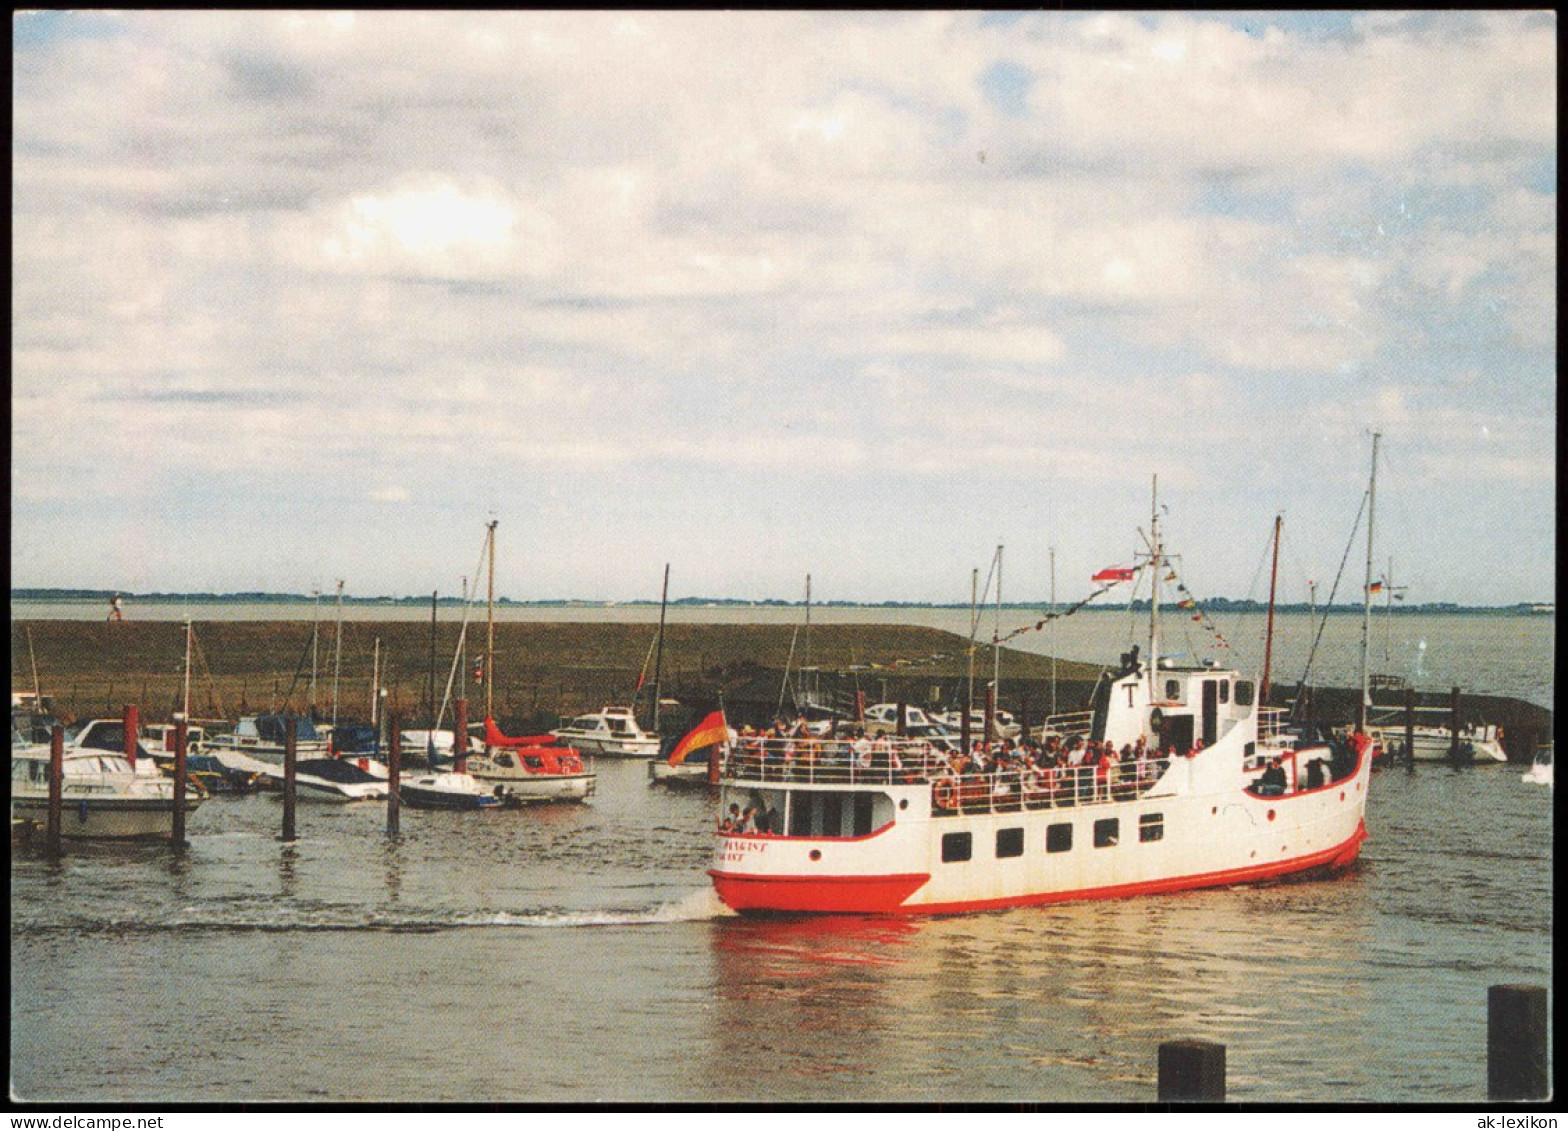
(1268, 636)
(1155, 559)
(1366, 592)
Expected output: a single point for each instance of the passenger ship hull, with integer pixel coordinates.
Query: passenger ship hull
(1204, 841)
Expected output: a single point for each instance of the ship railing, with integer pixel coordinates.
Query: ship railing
(1274, 724)
(895, 761)
(1063, 787)
(836, 761)
(1069, 724)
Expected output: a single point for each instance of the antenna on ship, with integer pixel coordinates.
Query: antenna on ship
(1366, 592)
(1156, 558)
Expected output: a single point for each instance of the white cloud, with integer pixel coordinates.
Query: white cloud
(328, 239)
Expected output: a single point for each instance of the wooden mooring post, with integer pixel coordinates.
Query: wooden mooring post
(1192, 1072)
(56, 789)
(459, 738)
(394, 778)
(1516, 1024)
(128, 723)
(1410, 729)
(1456, 754)
(177, 822)
(290, 755)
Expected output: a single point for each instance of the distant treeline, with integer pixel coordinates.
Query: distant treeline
(1210, 605)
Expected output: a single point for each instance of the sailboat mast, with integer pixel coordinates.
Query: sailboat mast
(433, 719)
(805, 663)
(1268, 635)
(337, 656)
(974, 626)
(1366, 592)
(38, 694)
(490, 631)
(658, 661)
(1053, 632)
(185, 701)
(996, 634)
(375, 684)
(315, 624)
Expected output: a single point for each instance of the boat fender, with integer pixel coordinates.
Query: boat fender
(81, 811)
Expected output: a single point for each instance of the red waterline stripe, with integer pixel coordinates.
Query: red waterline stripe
(881, 894)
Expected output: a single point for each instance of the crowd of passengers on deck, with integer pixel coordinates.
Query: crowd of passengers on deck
(1058, 770)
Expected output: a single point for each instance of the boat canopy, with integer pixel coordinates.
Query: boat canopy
(274, 728)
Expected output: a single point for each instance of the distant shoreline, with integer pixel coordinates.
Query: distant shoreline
(1212, 605)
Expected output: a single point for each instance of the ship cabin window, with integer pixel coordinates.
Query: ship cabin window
(1009, 842)
(505, 761)
(617, 726)
(532, 762)
(1151, 826)
(1059, 838)
(836, 813)
(1106, 832)
(1243, 693)
(956, 847)
(1224, 691)
(1173, 690)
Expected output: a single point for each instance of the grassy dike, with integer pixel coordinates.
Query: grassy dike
(542, 669)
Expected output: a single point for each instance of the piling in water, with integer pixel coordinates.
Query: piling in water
(1455, 754)
(177, 821)
(903, 718)
(56, 789)
(394, 778)
(129, 722)
(1516, 1042)
(1410, 728)
(1192, 1071)
(459, 738)
(290, 745)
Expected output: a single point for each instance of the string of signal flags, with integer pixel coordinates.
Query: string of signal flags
(1113, 576)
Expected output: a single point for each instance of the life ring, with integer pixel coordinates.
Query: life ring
(945, 794)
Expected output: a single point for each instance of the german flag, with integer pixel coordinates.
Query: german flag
(711, 730)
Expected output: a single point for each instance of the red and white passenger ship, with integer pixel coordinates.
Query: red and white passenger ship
(832, 827)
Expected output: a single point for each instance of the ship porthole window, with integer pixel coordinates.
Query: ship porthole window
(956, 847)
(816, 854)
(903, 803)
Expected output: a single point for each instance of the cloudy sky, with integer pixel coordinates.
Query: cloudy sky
(305, 296)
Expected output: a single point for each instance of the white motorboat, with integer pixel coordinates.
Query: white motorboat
(1540, 772)
(447, 789)
(1477, 742)
(101, 795)
(1006, 725)
(337, 780)
(256, 745)
(531, 768)
(611, 733)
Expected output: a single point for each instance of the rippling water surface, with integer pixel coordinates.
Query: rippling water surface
(575, 954)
